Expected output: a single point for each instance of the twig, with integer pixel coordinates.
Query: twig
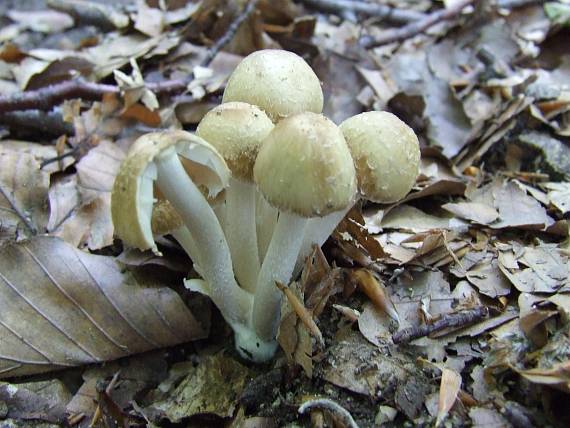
(230, 32)
(303, 313)
(391, 14)
(336, 409)
(19, 212)
(416, 27)
(457, 320)
(48, 123)
(45, 98)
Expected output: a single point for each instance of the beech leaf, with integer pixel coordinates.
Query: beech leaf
(62, 307)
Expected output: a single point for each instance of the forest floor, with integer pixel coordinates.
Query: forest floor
(448, 308)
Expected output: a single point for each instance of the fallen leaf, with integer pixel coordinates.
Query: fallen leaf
(479, 213)
(212, 387)
(559, 195)
(448, 390)
(52, 293)
(517, 209)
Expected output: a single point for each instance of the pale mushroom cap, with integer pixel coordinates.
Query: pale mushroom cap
(305, 167)
(280, 82)
(132, 197)
(386, 154)
(236, 130)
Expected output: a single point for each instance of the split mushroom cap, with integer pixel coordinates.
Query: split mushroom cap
(386, 154)
(236, 130)
(305, 167)
(280, 82)
(132, 197)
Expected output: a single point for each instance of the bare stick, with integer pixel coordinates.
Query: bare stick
(391, 14)
(416, 27)
(27, 221)
(457, 320)
(46, 98)
(230, 32)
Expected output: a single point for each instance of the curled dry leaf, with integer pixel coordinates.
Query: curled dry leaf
(23, 188)
(52, 293)
(449, 388)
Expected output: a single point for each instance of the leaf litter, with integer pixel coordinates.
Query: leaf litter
(469, 272)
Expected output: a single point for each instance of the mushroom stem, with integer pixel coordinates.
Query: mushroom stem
(316, 233)
(266, 219)
(233, 302)
(188, 244)
(278, 266)
(241, 232)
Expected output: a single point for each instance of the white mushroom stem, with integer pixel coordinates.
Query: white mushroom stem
(278, 265)
(233, 302)
(316, 233)
(187, 242)
(266, 219)
(241, 232)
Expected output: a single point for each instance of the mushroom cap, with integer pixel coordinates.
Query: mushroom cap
(132, 197)
(386, 154)
(305, 167)
(280, 82)
(236, 130)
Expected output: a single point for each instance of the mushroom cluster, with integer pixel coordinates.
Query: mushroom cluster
(264, 178)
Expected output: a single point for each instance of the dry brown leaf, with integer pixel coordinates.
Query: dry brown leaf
(546, 269)
(51, 294)
(294, 337)
(23, 189)
(517, 209)
(557, 376)
(375, 291)
(559, 195)
(90, 222)
(479, 213)
(448, 390)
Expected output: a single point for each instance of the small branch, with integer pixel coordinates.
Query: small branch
(338, 412)
(46, 98)
(19, 212)
(416, 27)
(455, 321)
(303, 313)
(48, 123)
(230, 32)
(388, 13)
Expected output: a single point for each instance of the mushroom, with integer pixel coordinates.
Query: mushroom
(236, 130)
(157, 157)
(304, 169)
(386, 155)
(279, 82)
